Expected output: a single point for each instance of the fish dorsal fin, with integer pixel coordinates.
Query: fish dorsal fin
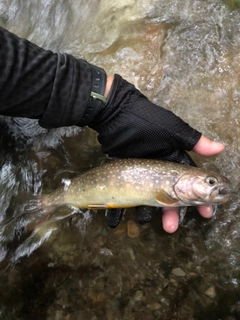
(163, 198)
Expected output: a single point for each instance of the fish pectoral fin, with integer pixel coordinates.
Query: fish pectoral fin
(163, 198)
(182, 213)
(97, 206)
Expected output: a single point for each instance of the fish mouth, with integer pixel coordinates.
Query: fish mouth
(220, 194)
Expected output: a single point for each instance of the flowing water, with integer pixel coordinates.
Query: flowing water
(184, 55)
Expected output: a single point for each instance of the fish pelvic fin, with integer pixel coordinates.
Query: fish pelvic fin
(109, 206)
(97, 206)
(164, 199)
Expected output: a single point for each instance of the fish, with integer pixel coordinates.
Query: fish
(125, 183)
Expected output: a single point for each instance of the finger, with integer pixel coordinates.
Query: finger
(113, 217)
(170, 219)
(206, 211)
(144, 214)
(208, 147)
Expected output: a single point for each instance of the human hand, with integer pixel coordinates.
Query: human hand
(132, 126)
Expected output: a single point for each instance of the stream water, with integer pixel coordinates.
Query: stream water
(182, 54)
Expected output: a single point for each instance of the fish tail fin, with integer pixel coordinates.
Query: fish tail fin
(28, 210)
(38, 206)
(19, 225)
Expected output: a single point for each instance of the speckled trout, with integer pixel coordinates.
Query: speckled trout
(128, 183)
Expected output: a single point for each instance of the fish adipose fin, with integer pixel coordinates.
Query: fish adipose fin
(163, 198)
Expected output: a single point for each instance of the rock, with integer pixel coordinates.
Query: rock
(133, 230)
(154, 306)
(210, 292)
(121, 228)
(97, 296)
(131, 253)
(106, 252)
(178, 272)
(138, 295)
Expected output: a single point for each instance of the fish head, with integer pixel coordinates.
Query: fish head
(202, 187)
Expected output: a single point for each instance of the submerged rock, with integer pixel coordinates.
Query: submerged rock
(211, 292)
(133, 229)
(178, 272)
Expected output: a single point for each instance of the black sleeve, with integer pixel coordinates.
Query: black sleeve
(39, 84)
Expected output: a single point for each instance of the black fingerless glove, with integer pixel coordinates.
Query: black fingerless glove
(144, 214)
(131, 126)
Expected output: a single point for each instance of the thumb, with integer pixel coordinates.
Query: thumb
(208, 147)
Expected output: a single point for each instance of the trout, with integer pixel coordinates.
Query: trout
(129, 183)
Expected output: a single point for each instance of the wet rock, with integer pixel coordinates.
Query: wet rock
(131, 253)
(101, 241)
(174, 282)
(178, 272)
(133, 230)
(138, 295)
(210, 292)
(121, 229)
(154, 306)
(97, 296)
(106, 252)
(165, 283)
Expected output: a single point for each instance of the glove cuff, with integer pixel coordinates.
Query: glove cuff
(97, 101)
(117, 99)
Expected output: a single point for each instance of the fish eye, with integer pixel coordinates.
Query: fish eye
(211, 181)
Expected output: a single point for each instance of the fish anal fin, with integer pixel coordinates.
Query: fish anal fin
(109, 206)
(163, 198)
(97, 206)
